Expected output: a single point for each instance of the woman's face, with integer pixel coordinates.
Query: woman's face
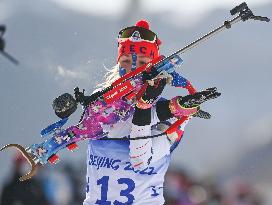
(126, 61)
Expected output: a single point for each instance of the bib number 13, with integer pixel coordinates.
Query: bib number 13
(104, 182)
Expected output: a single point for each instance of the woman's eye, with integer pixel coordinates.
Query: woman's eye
(126, 61)
(142, 62)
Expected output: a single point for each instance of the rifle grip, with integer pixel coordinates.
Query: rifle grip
(141, 91)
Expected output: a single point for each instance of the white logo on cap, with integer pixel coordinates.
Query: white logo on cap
(136, 37)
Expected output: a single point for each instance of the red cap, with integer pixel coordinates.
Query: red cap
(146, 48)
(143, 23)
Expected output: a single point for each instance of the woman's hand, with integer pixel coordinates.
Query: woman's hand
(190, 104)
(154, 90)
(194, 100)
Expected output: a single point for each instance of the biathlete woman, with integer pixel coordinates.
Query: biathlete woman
(125, 172)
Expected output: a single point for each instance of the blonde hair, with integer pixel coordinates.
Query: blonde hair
(110, 76)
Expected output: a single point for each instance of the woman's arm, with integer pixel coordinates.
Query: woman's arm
(141, 150)
(188, 105)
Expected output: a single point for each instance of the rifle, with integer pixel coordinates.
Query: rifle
(114, 103)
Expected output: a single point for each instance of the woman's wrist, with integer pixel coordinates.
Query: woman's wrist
(178, 110)
(143, 104)
(163, 110)
(167, 109)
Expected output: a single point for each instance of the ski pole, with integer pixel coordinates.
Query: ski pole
(8, 56)
(2, 46)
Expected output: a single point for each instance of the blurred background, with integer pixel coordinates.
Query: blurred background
(62, 44)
